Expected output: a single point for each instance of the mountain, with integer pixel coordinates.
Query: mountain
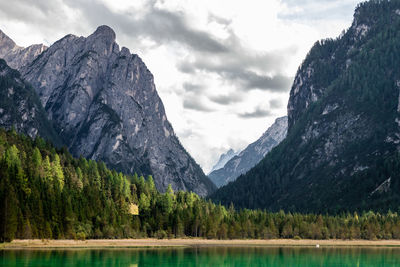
(252, 155)
(20, 107)
(342, 148)
(15, 55)
(223, 159)
(104, 105)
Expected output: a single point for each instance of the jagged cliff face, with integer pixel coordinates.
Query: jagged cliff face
(104, 105)
(344, 126)
(20, 107)
(17, 56)
(251, 155)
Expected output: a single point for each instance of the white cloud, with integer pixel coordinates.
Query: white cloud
(209, 58)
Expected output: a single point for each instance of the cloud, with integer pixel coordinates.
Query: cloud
(191, 87)
(226, 99)
(36, 12)
(257, 113)
(252, 80)
(233, 61)
(238, 73)
(152, 22)
(243, 67)
(186, 133)
(229, 58)
(195, 103)
(275, 103)
(219, 20)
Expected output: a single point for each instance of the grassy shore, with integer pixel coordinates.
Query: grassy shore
(190, 242)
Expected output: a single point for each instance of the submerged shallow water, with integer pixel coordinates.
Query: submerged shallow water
(216, 256)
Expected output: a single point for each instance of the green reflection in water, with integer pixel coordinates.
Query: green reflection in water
(233, 256)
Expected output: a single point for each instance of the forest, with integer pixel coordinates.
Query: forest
(46, 193)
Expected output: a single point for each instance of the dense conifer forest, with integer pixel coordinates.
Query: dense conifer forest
(46, 193)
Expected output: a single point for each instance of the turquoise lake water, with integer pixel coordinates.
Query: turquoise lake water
(233, 256)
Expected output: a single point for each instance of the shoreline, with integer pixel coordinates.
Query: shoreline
(188, 243)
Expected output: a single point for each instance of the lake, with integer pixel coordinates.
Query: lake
(210, 256)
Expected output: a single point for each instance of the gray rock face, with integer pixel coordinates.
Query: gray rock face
(105, 106)
(20, 107)
(17, 56)
(223, 159)
(252, 155)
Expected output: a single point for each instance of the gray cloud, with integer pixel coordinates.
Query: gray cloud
(228, 58)
(191, 87)
(157, 24)
(242, 67)
(194, 103)
(275, 103)
(219, 20)
(226, 99)
(38, 13)
(257, 113)
(236, 75)
(252, 80)
(20, 9)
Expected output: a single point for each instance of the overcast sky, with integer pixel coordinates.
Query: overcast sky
(223, 68)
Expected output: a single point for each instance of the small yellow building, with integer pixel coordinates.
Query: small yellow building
(133, 209)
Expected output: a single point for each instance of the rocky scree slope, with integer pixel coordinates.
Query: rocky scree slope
(342, 148)
(251, 155)
(104, 105)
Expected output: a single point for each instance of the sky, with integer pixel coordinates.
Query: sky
(223, 68)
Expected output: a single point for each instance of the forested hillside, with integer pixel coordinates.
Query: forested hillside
(342, 148)
(46, 193)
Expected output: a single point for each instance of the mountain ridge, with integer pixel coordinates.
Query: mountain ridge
(251, 155)
(104, 105)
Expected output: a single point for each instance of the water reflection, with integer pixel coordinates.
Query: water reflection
(217, 256)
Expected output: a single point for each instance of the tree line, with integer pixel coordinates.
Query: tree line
(46, 193)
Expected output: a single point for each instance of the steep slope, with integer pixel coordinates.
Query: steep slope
(20, 107)
(223, 159)
(341, 152)
(15, 55)
(252, 155)
(104, 104)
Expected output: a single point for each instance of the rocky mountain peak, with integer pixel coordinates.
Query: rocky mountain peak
(105, 106)
(6, 44)
(17, 56)
(104, 30)
(104, 33)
